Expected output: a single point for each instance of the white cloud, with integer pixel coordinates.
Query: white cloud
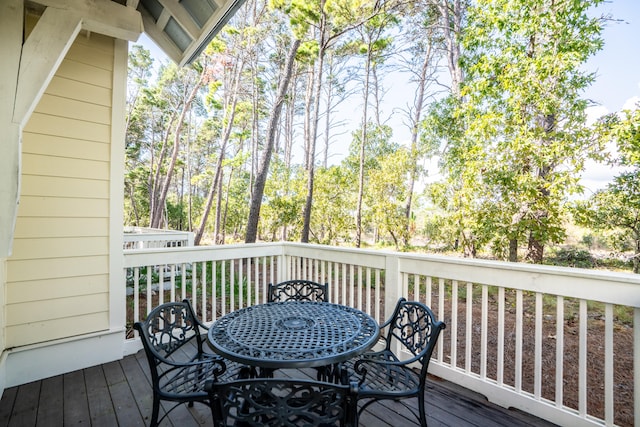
(595, 112)
(631, 103)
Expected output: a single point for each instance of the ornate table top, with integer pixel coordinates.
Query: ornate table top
(293, 334)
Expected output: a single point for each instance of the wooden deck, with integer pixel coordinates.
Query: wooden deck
(119, 394)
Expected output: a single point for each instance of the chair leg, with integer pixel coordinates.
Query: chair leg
(423, 415)
(156, 410)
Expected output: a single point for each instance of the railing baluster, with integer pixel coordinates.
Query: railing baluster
(469, 326)
(240, 282)
(136, 295)
(203, 296)
(223, 286)
(582, 360)
(256, 275)
(559, 351)
(214, 291)
(454, 323)
(194, 284)
(368, 291)
(232, 284)
(483, 331)
(184, 281)
(161, 285)
(172, 280)
(377, 299)
(518, 364)
(441, 316)
(149, 288)
(608, 365)
(537, 374)
(351, 284)
(500, 351)
(360, 285)
(636, 365)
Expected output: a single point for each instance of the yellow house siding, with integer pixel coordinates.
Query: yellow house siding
(51, 289)
(32, 228)
(58, 275)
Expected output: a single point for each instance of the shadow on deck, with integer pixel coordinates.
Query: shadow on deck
(119, 394)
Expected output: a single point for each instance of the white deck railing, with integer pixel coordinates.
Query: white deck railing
(559, 343)
(146, 238)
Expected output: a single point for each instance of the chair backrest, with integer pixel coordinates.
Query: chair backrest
(167, 329)
(298, 290)
(416, 328)
(282, 402)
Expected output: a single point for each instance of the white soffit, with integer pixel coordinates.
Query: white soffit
(184, 28)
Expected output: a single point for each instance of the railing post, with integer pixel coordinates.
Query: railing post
(392, 284)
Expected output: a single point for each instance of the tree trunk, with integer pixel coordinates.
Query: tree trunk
(513, 250)
(452, 26)
(415, 126)
(313, 131)
(223, 146)
(636, 257)
(274, 120)
(157, 213)
(363, 143)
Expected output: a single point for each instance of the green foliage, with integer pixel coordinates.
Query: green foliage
(572, 257)
(517, 139)
(616, 208)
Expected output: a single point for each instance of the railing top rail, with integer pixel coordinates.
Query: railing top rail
(188, 254)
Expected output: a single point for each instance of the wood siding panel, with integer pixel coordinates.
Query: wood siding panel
(69, 128)
(65, 167)
(33, 143)
(97, 42)
(33, 185)
(25, 249)
(63, 207)
(88, 54)
(39, 227)
(51, 289)
(73, 89)
(85, 73)
(70, 108)
(44, 310)
(51, 268)
(28, 333)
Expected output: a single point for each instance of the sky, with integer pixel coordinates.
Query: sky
(617, 84)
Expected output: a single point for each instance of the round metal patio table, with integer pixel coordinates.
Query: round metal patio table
(293, 334)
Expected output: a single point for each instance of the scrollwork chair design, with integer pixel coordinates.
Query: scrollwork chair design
(178, 375)
(383, 375)
(298, 290)
(282, 403)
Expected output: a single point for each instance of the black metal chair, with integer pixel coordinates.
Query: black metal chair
(282, 403)
(178, 375)
(382, 375)
(298, 290)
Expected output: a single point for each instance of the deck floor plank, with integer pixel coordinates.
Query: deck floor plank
(99, 398)
(75, 404)
(140, 386)
(119, 394)
(6, 405)
(123, 399)
(25, 407)
(50, 402)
